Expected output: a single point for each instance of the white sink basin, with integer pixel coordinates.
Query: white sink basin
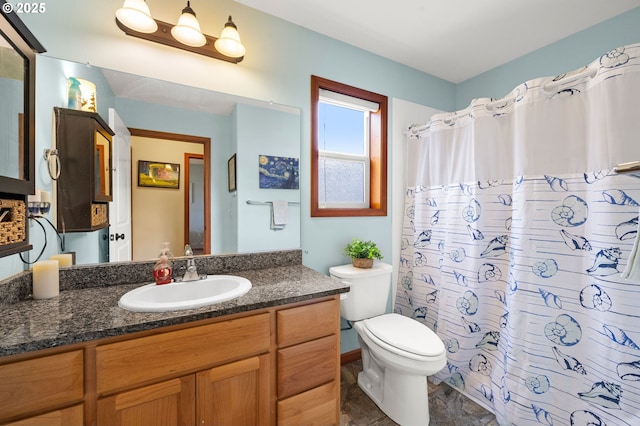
(185, 295)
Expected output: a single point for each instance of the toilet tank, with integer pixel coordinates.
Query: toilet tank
(368, 290)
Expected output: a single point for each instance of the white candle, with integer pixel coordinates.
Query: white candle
(45, 197)
(45, 279)
(64, 259)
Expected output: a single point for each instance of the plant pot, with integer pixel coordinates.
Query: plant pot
(362, 262)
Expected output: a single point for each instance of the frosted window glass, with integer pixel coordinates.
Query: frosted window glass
(341, 181)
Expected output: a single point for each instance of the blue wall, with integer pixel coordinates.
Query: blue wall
(264, 132)
(566, 55)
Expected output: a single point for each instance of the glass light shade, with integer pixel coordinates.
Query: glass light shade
(187, 30)
(135, 14)
(229, 43)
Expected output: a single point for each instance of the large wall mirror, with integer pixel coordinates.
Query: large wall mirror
(18, 49)
(12, 87)
(166, 123)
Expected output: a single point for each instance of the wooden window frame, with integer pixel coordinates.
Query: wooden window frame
(377, 151)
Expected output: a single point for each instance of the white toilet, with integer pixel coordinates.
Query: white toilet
(398, 353)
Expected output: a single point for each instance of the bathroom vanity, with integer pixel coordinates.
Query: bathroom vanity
(271, 356)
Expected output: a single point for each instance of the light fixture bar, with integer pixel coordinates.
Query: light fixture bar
(163, 36)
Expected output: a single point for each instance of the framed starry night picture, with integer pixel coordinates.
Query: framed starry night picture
(279, 172)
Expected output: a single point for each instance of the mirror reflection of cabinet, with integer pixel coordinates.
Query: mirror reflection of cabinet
(18, 49)
(83, 140)
(102, 166)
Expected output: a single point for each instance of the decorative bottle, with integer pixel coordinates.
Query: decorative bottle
(74, 94)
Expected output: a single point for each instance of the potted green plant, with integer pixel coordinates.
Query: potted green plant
(362, 253)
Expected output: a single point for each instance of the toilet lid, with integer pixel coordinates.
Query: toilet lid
(405, 334)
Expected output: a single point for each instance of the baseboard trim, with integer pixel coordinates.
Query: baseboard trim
(348, 357)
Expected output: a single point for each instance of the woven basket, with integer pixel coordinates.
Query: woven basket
(362, 263)
(99, 214)
(13, 225)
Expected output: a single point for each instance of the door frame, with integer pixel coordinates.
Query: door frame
(206, 142)
(187, 196)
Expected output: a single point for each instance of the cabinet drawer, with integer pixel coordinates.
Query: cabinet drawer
(151, 358)
(72, 416)
(41, 383)
(304, 323)
(307, 365)
(317, 406)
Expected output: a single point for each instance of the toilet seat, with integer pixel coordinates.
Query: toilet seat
(404, 336)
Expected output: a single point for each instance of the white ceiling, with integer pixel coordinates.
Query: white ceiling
(451, 39)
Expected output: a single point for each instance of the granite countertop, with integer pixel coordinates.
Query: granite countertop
(80, 315)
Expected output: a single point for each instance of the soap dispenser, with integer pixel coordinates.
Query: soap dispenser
(163, 270)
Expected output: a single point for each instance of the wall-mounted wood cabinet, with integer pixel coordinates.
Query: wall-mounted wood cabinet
(83, 141)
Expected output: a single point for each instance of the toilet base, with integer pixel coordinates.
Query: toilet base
(402, 397)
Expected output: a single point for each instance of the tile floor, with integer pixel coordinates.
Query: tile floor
(447, 407)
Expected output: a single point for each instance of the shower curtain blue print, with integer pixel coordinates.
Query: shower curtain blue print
(516, 232)
(522, 282)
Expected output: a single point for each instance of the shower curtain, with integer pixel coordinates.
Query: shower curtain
(516, 231)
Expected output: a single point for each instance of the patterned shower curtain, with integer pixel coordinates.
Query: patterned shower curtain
(516, 231)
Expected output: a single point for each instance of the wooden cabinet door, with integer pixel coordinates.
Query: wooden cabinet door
(235, 394)
(167, 403)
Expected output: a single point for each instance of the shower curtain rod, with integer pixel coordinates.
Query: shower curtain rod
(506, 100)
(553, 84)
(547, 87)
(414, 130)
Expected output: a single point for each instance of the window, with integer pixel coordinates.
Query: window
(348, 150)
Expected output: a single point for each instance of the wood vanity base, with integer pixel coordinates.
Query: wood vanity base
(278, 365)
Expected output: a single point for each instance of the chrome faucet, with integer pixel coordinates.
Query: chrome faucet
(191, 274)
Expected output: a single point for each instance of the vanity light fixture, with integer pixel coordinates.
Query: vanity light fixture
(229, 42)
(135, 14)
(185, 35)
(187, 30)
